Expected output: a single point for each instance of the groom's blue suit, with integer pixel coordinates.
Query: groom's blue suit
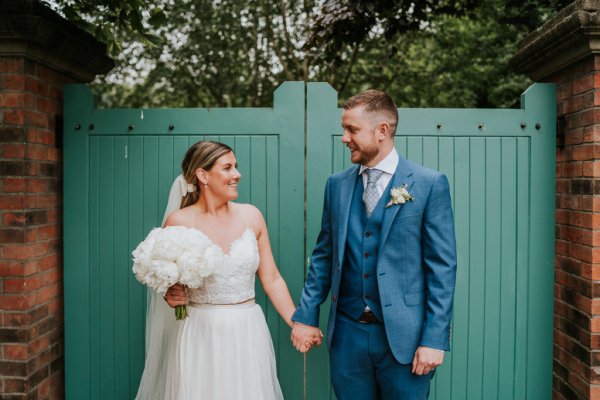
(411, 266)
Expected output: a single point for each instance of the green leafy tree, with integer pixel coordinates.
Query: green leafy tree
(455, 60)
(110, 20)
(231, 53)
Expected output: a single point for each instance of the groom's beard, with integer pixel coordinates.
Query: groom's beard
(364, 155)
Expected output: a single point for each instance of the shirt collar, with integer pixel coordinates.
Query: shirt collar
(387, 165)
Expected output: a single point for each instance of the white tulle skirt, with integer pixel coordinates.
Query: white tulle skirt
(222, 352)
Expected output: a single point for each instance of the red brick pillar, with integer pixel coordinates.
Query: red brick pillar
(566, 51)
(39, 53)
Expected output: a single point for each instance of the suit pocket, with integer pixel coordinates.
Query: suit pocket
(413, 299)
(409, 217)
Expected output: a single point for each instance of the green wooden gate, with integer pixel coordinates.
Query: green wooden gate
(119, 164)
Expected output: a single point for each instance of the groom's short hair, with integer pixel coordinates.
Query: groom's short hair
(375, 101)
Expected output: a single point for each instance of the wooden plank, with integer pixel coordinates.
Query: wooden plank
(93, 295)
(506, 375)
(477, 271)
(462, 299)
(492, 296)
(122, 273)
(78, 106)
(166, 159)
(325, 155)
(106, 271)
(255, 178)
(288, 109)
(271, 213)
(414, 149)
(213, 121)
(540, 101)
(243, 154)
(522, 237)
(136, 233)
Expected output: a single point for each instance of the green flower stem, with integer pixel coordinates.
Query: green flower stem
(181, 312)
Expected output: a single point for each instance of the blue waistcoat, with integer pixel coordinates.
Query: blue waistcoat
(358, 285)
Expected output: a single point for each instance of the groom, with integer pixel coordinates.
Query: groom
(386, 252)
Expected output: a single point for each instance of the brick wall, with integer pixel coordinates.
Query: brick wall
(39, 53)
(565, 50)
(31, 305)
(577, 262)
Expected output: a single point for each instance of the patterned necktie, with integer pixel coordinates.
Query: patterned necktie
(371, 196)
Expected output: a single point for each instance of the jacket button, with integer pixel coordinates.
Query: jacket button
(367, 254)
(334, 298)
(368, 234)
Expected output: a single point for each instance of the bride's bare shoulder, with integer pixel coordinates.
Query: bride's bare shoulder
(251, 214)
(178, 217)
(249, 210)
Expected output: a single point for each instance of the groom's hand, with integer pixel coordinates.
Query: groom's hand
(305, 336)
(426, 359)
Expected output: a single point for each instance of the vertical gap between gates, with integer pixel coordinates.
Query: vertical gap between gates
(305, 211)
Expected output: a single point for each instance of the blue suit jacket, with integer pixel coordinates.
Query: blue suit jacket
(416, 266)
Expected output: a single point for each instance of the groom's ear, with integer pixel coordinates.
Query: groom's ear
(383, 130)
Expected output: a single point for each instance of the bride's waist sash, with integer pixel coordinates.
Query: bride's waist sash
(243, 304)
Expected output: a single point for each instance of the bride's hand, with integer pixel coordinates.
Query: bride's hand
(176, 295)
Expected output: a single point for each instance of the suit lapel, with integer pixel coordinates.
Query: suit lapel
(347, 186)
(402, 176)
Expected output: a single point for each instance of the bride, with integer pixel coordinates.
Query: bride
(223, 350)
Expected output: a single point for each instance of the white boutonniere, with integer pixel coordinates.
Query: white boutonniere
(399, 195)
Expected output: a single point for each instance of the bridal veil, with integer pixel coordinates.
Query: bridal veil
(160, 321)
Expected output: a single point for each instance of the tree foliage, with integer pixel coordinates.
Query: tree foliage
(231, 53)
(456, 61)
(110, 20)
(351, 21)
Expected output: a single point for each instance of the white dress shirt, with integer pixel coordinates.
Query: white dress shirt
(388, 166)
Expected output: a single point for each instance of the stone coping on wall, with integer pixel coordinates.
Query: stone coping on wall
(32, 30)
(566, 38)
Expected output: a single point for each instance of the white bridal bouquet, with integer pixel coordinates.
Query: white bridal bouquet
(174, 254)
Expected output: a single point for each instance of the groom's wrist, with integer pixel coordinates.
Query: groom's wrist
(294, 322)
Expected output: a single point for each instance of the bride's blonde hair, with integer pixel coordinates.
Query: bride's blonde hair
(203, 155)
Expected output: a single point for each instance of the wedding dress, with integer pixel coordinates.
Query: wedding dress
(223, 350)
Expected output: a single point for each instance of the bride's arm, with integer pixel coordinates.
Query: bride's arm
(270, 278)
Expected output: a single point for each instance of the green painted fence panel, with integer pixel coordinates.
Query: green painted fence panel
(119, 166)
(500, 165)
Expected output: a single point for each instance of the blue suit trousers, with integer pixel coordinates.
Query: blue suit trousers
(364, 368)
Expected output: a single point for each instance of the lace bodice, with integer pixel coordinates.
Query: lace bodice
(233, 281)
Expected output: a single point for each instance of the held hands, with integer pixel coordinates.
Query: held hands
(176, 295)
(426, 359)
(304, 337)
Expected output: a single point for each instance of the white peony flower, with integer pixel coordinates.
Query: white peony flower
(167, 247)
(162, 275)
